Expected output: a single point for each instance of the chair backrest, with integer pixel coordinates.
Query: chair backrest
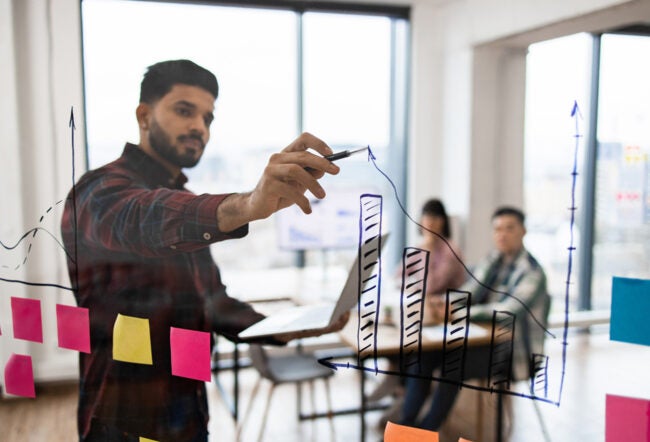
(260, 360)
(534, 336)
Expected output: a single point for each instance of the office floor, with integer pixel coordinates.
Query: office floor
(595, 366)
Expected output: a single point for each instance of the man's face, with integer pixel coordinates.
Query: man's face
(508, 234)
(179, 127)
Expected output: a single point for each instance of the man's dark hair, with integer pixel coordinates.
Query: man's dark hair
(512, 211)
(435, 207)
(161, 77)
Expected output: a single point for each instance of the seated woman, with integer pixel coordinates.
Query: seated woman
(445, 271)
(445, 260)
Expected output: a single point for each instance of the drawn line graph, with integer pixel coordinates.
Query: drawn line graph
(503, 323)
(30, 235)
(372, 159)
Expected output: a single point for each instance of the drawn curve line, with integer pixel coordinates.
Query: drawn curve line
(372, 159)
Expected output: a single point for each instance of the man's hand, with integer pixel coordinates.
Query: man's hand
(338, 325)
(286, 178)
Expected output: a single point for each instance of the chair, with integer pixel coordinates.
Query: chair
(297, 367)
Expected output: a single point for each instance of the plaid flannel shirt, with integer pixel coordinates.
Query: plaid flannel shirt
(524, 293)
(142, 249)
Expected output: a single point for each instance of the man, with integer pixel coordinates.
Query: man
(139, 246)
(508, 279)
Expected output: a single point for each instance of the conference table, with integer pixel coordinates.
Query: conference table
(388, 343)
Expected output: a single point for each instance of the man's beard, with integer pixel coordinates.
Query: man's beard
(160, 142)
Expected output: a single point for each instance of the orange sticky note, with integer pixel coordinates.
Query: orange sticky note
(402, 433)
(26, 314)
(462, 439)
(19, 376)
(132, 340)
(73, 327)
(190, 353)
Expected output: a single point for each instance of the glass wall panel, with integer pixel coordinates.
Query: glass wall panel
(347, 78)
(557, 75)
(280, 72)
(622, 220)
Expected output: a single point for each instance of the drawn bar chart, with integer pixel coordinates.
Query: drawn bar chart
(370, 221)
(501, 347)
(415, 265)
(456, 330)
(539, 378)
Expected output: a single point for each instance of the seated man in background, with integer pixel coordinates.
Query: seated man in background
(508, 279)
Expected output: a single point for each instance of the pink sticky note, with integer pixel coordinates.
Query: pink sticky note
(627, 419)
(26, 314)
(190, 351)
(19, 376)
(73, 327)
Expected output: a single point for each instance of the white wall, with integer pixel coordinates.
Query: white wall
(466, 132)
(468, 97)
(40, 80)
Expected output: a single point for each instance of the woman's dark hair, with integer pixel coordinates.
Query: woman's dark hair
(161, 77)
(434, 207)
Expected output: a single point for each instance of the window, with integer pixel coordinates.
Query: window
(613, 184)
(280, 71)
(622, 201)
(549, 146)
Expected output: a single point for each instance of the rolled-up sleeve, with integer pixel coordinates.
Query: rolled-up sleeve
(119, 216)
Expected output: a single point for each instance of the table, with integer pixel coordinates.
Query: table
(388, 344)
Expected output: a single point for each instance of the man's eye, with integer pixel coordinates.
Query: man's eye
(183, 112)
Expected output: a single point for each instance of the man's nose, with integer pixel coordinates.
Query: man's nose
(198, 126)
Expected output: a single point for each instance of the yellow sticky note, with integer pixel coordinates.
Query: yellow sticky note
(144, 439)
(132, 340)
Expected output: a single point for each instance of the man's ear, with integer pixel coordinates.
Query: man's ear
(143, 113)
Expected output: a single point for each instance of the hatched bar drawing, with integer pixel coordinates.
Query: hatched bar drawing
(415, 265)
(454, 344)
(501, 346)
(539, 378)
(370, 221)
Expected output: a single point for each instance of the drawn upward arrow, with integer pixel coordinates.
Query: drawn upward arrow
(371, 156)
(73, 127)
(577, 115)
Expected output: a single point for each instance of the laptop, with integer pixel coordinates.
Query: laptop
(305, 318)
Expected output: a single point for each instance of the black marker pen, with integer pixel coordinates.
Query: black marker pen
(339, 155)
(344, 154)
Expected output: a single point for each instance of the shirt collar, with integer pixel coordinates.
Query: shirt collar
(155, 172)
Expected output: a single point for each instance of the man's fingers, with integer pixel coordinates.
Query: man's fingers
(306, 160)
(289, 194)
(297, 176)
(308, 141)
(289, 174)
